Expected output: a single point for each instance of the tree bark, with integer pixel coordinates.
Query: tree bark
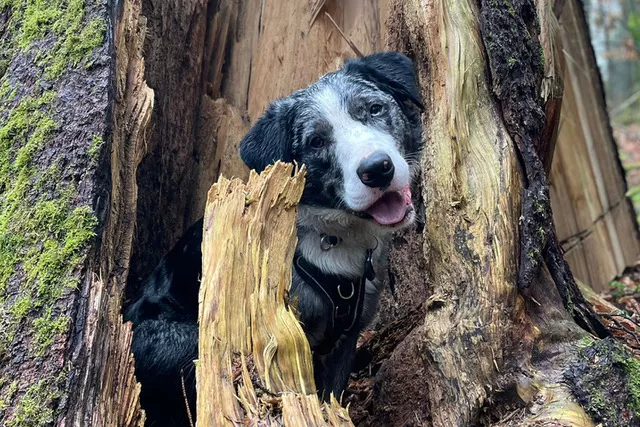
(586, 176)
(73, 112)
(102, 387)
(499, 343)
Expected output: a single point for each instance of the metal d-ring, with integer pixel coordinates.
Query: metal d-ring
(353, 291)
(376, 246)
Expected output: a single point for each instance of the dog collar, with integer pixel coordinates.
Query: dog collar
(345, 296)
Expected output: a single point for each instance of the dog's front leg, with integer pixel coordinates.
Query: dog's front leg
(332, 370)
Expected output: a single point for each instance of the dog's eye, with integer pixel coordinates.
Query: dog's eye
(375, 109)
(317, 142)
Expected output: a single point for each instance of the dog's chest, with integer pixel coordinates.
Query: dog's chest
(330, 306)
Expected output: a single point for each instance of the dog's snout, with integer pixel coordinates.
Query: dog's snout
(376, 170)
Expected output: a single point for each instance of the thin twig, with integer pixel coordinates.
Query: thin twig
(494, 360)
(344, 36)
(629, 318)
(620, 326)
(186, 400)
(317, 8)
(624, 104)
(625, 342)
(621, 314)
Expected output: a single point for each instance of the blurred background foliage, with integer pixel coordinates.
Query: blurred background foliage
(615, 33)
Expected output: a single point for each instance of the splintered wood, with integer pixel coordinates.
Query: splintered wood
(104, 391)
(255, 364)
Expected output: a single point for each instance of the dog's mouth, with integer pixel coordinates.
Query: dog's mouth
(391, 209)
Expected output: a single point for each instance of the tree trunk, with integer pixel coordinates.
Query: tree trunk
(501, 335)
(99, 173)
(72, 121)
(500, 341)
(588, 193)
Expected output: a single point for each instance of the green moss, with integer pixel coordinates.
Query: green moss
(598, 404)
(41, 237)
(46, 328)
(21, 307)
(586, 341)
(617, 289)
(534, 254)
(34, 409)
(4, 89)
(7, 94)
(12, 95)
(539, 207)
(10, 391)
(94, 149)
(44, 233)
(75, 36)
(4, 65)
(21, 134)
(77, 46)
(569, 304)
(605, 379)
(37, 19)
(69, 231)
(631, 366)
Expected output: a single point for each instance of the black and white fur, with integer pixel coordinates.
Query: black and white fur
(372, 105)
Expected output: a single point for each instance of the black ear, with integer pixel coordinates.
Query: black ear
(392, 72)
(271, 137)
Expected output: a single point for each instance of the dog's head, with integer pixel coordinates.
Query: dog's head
(358, 133)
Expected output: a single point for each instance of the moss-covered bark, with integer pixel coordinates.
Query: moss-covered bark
(605, 378)
(511, 35)
(54, 83)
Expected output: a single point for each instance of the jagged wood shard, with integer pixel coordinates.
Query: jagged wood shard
(254, 360)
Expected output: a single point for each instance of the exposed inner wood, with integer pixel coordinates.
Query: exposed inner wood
(469, 169)
(479, 333)
(254, 363)
(231, 59)
(237, 56)
(591, 212)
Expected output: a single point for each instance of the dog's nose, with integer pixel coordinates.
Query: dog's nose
(376, 170)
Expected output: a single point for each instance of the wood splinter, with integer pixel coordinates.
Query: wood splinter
(255, 363)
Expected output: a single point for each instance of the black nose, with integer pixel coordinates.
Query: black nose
(376, 170)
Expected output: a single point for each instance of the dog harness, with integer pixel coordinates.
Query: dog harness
(345, 296)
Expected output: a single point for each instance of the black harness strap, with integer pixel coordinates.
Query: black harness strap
(345, 296)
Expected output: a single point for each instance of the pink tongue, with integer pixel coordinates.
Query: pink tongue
(390, 208)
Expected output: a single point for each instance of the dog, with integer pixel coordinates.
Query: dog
(358, 133)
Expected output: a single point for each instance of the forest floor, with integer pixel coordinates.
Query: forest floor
(624, 294)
